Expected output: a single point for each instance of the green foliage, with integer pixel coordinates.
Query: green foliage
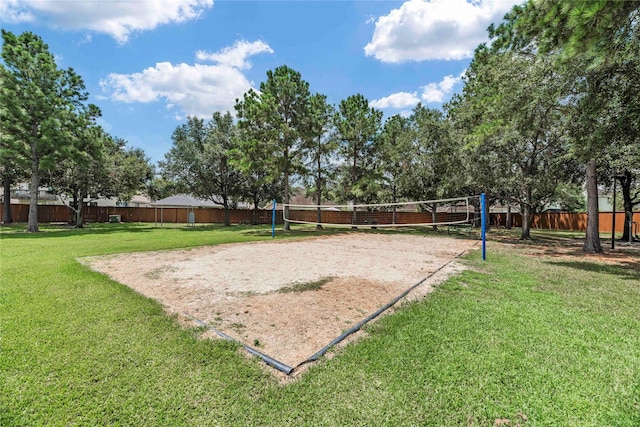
(570, 198)
(40, 106)
(200, 160)
(592, 30)
(513, 111)
(597, 42)
(434, 171)
(274, 126)
(132, 171)
(395, 153)
(319, 147)
(358, 126)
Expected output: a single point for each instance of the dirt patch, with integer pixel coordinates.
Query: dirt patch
(290, 298)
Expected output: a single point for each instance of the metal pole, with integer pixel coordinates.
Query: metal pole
(613, 221)
(483, 222)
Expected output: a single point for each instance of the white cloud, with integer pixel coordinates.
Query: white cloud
(116, 18)
(434, 29)
(197, 90)
(236, 55)
(396, 100)
(438, 92)
(14, 11)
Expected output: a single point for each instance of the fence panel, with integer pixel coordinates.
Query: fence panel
(59, 213)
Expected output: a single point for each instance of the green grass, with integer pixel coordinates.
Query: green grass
(541, 341)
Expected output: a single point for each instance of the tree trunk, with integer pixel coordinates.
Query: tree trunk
(74, 208)
(6, 205)
(477, 222)
(256, 207)
(526, 222)
(319, 189)
(354, 176)
(394, 200)
(592, 238)
(434, 215)
(487, 216)
(285, 212)
(80, 212)
(625, 184)
(354, 216)
(509, 223)
(225, 208)
(319, 216)
(32, 226)
(526, 215)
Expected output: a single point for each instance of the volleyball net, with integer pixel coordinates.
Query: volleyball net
(454, 211)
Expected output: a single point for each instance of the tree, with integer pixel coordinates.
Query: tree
(199, 160)
(358, 126)
(620, 120)
(275, 118)
(320, 146)
(12, 168)
(130, 171)
(518, 103)
(37, 96)
(77, 174)
(102, 167)
(159, 187)
(256, 167)
(599, 39)
(570, 197)
(434, 169)
(395, 150)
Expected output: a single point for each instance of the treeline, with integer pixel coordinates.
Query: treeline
(285, 135)
(551, 105)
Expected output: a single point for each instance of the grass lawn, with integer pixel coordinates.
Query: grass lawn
(527, 338)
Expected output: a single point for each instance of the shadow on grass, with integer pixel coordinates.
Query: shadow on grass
(627, 270)
(554, 240)
(50, 231)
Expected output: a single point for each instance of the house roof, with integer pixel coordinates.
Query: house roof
(141, 199)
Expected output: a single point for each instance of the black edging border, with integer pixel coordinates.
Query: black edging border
(283, 367)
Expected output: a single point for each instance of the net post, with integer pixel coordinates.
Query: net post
(273, 219)
(483, 222)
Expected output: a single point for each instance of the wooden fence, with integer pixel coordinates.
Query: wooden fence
(58, 213)
(566, 221)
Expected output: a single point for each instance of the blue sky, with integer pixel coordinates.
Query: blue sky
(149, 63)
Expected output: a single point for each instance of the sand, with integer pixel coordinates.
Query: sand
(253, 291)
